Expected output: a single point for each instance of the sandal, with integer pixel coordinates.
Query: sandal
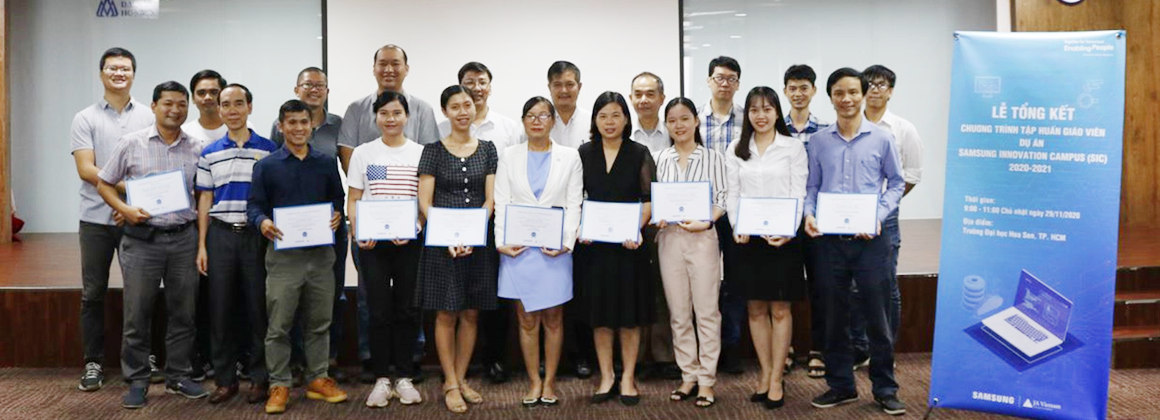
(677, 395)
(816, 367)
(459, 408)
(470, 395)
(705, 402)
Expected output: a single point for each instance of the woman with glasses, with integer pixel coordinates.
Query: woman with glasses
(459, 281)
(689, 257)
(539, 173)
(612, 280)
(766, 162)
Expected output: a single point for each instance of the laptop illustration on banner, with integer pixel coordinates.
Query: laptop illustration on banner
(1036, 323)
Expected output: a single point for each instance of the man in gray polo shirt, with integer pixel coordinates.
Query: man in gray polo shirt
(95, 132)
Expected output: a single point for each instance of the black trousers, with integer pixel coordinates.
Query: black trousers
(389, 273)
(237, 290)
(98, 243)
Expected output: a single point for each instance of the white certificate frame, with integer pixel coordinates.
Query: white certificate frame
(286, 243)
(365, 207)
(586, 229)
(663, 211)
(764, 226)
(133, 191)
(834, 212)
(518, 210)
(436, 216)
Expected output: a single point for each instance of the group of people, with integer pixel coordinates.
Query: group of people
(264, 310)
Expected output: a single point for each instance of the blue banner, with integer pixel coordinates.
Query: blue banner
(1030, 224)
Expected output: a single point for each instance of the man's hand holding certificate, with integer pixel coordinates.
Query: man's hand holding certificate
(767, 217)
(159, 194)
(847, 214)
(383, 220)
(448, 227)
(304, 226)
(610, 222)
(681, 201)
(534, 227)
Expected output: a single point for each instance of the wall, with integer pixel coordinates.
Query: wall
(54, 48)
(1140, 192)
(911, 37)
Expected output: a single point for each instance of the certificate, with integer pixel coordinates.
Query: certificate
(159, 193)
(847, 214)
(610, 222)
(384, 220)
(767, 216)
(453, 227)
(534, 226)
(681, 201)
(304, 226)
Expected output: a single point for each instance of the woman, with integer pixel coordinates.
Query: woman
(612, 280)
(689, 257)
(539, 173)
(457, 282)
(387, 169)
(766, 162)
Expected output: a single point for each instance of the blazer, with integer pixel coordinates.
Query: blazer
(564, 188)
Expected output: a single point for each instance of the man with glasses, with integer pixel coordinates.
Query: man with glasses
(721, 125)
(572, 127)
(95, 132)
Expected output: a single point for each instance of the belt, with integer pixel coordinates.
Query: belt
(172, 230)
(232, 227)
(847, 238)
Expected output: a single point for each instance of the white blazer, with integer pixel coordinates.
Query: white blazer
(564, 188)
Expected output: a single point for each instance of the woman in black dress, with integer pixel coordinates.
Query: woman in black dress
(457, 282)
(612, 280)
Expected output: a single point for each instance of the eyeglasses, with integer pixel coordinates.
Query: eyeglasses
(310, 86)
(879, 86)
(542, 117)
(115, 70)
(482, 84)
(724, 80)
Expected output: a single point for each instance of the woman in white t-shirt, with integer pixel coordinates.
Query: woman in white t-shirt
(387, 169)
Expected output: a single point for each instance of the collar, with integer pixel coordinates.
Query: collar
(889, 119)
(154, 133)
(103, 103)
(283, 153)
(331, 119)
(811, 124)
(250, 144)
(671, 153)
(864, 128)
(706, 112)
(659, 128)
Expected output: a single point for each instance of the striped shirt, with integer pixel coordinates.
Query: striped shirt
(226, 170)
(143, 153)
(704, 166)
(720, 133)
(385, 173)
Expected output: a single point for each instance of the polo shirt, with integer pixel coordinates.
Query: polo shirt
(226, 170)
(143, 153)
(99, 127)
(358, 125)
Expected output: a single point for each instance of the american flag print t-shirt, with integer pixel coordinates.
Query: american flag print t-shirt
(385, 173)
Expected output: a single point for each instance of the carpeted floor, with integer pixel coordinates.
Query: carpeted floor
(52, 394)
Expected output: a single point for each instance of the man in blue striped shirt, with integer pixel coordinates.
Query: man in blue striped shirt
(230, 252)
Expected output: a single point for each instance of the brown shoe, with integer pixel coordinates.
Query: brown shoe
(258, 392)
(279, 397)
(325, 389)
(223, 394)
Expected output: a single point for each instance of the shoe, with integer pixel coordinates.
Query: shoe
(407, 393)
(417, 372)
(297, 376)
(325, 389)
(529, 402)
(258, 391)
(135, 398)
(338, 374)
(630, 400)
(155, 375)
(758, 397)
(861, 362)
(834, 398)
(94, 377)
(496, 374)
(583, 371)
(470, 395)
(677, 395)
(601, 398)
(381, 395)
(186, 388)
(891, 405)
(279, 397)
(815, 366)
(774, 404)
(705, 402)
(367, 375)
(457, 407)
(223, 393)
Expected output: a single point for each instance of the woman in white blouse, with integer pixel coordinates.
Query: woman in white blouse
(689, 257)
(539, 173)
(766, 162)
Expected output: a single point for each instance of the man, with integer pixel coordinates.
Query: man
(157, 248)
(296, 175)
(648, 98)
(573, 123)
(95, 132)
(854, 156)
(230, 251)
(312, 89)
(721, 125)
(909, 147)
(487, 125)
(799, 81)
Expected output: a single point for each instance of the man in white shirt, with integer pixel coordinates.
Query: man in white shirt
(648, 98)
(573, 123)
(488, 125)
(208, 127)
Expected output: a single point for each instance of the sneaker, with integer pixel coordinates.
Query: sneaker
(94, 377)
(861, 362)
(407, 393)
(833, 398)
(186, 388)
(381, 394)
(135, 398)
(155, 375)
(891, 405)
(325, 389)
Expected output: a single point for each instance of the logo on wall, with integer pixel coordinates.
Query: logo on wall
(140, 9)
(107, 8)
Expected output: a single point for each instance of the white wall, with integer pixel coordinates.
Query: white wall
(54, 48)
(911, 37)
(609, 40)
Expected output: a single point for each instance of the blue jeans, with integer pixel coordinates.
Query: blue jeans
(858, 341)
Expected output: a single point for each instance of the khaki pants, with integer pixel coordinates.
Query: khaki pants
(690, 270)
(298, 279)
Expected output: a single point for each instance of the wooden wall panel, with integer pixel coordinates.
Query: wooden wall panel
(1140, 194)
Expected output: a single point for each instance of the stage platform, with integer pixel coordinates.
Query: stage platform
(40, 299)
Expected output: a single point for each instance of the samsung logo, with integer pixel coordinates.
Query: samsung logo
(995, 398)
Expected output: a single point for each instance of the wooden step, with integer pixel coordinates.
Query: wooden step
(1148, 332)
(1138, 297)
(1136, 354)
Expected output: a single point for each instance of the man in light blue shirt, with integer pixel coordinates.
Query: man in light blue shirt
(854, 156)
